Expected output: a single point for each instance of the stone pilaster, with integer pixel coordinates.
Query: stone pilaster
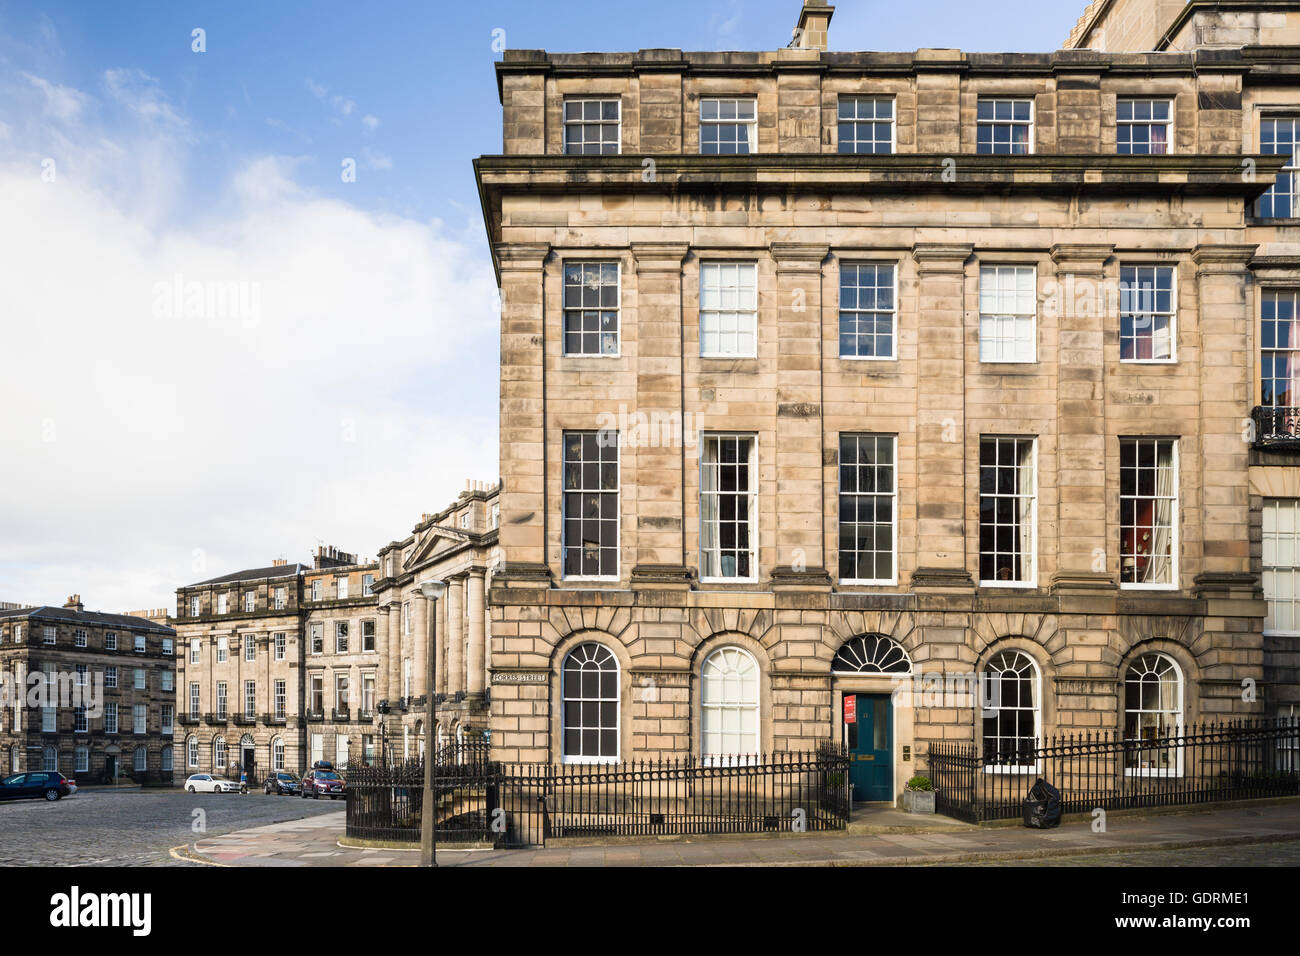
(419, 645)
(385, 653)
(455, 641)
(395, 649)
(474, 681)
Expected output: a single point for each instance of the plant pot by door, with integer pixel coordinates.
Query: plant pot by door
(918, 801)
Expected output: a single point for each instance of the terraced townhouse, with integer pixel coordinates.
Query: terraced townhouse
(108, 704)
(824, 370)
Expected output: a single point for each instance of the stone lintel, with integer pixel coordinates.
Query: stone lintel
(661, 576)
(944, 579)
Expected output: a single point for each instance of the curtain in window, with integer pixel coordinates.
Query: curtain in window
(710, 550)
(1025, 488)
(1160, 566)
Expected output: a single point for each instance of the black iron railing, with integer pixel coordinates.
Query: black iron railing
(1240, 761)
(523, 804)
(1276, 427)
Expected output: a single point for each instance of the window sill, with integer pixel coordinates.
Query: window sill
(868, 358)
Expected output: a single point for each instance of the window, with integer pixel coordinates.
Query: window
(866, 124)
(591, 126)
(340, 751)
(406, 679)
(367, 584)
(221, 700)
(50, 759)
(250, 699)
(194, 650)
(868, 501)
(81, 759)
(250, 602)
(219, 753)
(591, 304)
(223, 650)
(341, 587)
(1278, 136)
(590, 505)
(18, 633)
(367, 694)
(1153, 713)
(340, 637)
(79, 724)
(317, 634)
(49, 720)
(1004, 125)
(78, 638)
(140, 644)
(315, 590)
(110, 717)
(590, 691)
(194, 607)
(317, 699)
(138, 678)
(279, 646)
(367, 635)
(871, 654)
(1281, 563)
(110, 640)
(406, 617)
(83, 675)
(168, 680)
(192, 751)
(1008, 309)
(1008, 510)
(194, 700)
(167, 720)
(728, 506)
(48, 634)
(341, 693)
(317, 747)
(1146, 314)
(280, 599)
(1280, 358)
(1144, 126)
(221, 603)
(277, 754)
(139, 715)
(166, 760)
(496, 516)
(729, 705)
(110, 676)
(1148, 502)
(168, 646)
(728, 309)
(250, 647)
(140, 760)
(868, 307)
(280, 699)
(1010, 704)
(728, 125)
(464, 520)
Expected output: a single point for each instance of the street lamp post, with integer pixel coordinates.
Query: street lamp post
(432, 590)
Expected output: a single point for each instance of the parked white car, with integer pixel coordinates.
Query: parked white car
(206, 783)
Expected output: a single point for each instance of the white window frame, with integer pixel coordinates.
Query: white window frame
(139, 719)
(1036, 766)
(281, 691)
(994, 318)
(1290, 173)
(281, 600)
(582, 310)
(1171, 772)
(277, 754)
(341, 587)
(892, 313)
(1032, 123)
(712, 316)
(79, 637)
(566, 123)
(192, 751)
(250, 602)
(315, 590)
(1274, 540)
(1171, 315)
(1032, 582)
(223, 603)
(281, 643)
(618, 497)
(754, 503)
(81, 759)
(708, 707)
(110, 640)
(751, 124)
(857, 98)
(168, 680)
(1167, 124)
(139, 679)
(167, 720)
(49, 634)
(110, 677)
(141, 643)
(166, 760)
(568, 758)
(250, 699)
(893, 499)
(250, 647)
(371, 637)
(110, 717)
(195, 607)
(342, 635)
(196, 649)
(316, 639)
(223, 700)
(223, 650)
(1174, 534)
(196, 705)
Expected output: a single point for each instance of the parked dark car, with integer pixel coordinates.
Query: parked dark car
(321, 780)
(49, 784)
(280, 783)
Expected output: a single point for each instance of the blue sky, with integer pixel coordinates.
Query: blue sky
(355, 387)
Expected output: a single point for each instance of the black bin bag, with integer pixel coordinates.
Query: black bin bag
(1043, 806)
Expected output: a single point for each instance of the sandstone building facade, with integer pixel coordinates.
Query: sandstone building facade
(822, 372)
(106, 704)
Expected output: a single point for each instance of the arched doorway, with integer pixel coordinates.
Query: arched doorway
(866, 671)
(248, 758)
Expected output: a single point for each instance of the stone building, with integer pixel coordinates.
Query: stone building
(823, 371)
(89, 694)
(457, 545)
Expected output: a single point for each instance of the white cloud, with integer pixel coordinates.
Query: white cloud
(375, 160)
(370, 122)
(281, 368)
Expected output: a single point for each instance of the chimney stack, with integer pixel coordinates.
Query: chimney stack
(814, 26)
(73, 603)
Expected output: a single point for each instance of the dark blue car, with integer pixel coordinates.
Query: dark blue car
(49, 784)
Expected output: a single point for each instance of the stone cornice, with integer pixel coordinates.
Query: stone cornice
(1081, 258)
(800, 257)
(515, 256)
(941, 257)
(1222, 258)
(659, 256)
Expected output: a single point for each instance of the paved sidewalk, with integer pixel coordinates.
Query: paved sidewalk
(314, 842)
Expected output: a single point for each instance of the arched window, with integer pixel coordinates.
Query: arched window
(442, 737)
(192, 750)
(871, 654)
(219, 753)
(1153, 712)
(1009, 692)
(140, 760)
(277, 753)
(589, 688)
(166, 760)
(729, 705)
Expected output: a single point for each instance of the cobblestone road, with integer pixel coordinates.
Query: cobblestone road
(132, 827)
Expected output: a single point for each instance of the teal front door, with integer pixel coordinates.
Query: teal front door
(871, 764)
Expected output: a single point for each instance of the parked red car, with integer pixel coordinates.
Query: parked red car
(322, 780)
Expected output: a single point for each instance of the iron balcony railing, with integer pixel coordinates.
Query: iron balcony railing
(1277, 427)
